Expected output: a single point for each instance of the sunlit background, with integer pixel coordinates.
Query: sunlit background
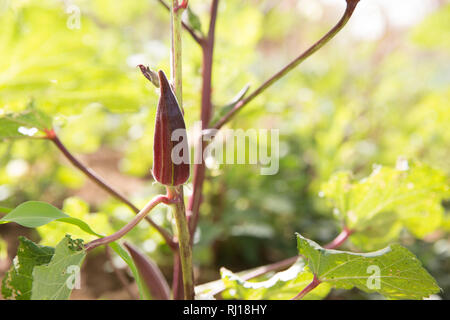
(377, 92)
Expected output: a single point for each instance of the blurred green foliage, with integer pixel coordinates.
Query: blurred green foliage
(353, 104)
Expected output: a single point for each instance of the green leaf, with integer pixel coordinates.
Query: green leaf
(4, 210)
(143, 292)
(56, 280)
(281, 286)
(378, 207)
(33, 214)
(393, 271)
(25, 124)
(194, 20)
(17, 282)
(227, 108)
(81, 224)
(155, 282)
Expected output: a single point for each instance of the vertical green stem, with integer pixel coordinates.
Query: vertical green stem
(176, 73)
(176, 193)
(184, 244)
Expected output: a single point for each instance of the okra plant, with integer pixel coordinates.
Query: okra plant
(372, 212)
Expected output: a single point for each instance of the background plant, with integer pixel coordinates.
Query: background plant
(346, 116)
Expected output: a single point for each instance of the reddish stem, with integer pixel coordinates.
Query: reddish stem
(182, 5)
(130, 225)
(340, 239)
(314, 283)
(206, 113)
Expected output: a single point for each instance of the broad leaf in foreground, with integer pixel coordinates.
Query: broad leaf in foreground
(378, 207)
(281, 286)
(56, 280)
(393, 271)
(17, 282)
(77, 225)
(33, 214)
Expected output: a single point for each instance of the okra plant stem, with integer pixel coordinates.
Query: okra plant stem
(176, 193)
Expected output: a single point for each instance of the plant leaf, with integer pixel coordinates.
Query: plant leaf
(4, 210)
(56, 280)
(143, 292)
(17, 282)
(393, 271)
(33, 214)
(378, 207)
(194, 20)
(222, 111)
(281, 286)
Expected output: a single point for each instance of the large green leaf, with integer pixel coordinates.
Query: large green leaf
(33, 214)
(17, 282)
(281, 286)
(378, 207)
(56, 280)
(393, 271)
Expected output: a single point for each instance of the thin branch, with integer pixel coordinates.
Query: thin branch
(208, 50)
(191, 31)
(51, 135)
(269, 268)
(218, 286)
(130, 225)
(206, 113)
(351, 5)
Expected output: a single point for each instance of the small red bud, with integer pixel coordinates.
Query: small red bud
(170, 147)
